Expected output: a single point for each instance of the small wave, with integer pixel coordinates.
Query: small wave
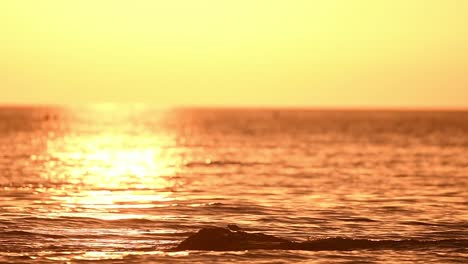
(17, 233)
(339, 243)
(69, 220)
(356, 219)
(222, 163)
(86, 220)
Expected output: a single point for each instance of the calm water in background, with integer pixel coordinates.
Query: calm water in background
(126, 183)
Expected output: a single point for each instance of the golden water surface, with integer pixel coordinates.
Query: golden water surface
(129, 182)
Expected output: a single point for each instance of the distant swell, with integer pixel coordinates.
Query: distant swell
(223, 163)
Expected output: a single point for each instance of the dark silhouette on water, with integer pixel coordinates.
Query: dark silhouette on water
(234, 227)
(223, 239)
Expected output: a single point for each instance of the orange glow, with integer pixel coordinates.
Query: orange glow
(286, 53)
(118, 171)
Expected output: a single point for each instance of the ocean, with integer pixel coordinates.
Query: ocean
(127, 183)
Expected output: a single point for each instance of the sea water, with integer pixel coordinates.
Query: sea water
(126, 183)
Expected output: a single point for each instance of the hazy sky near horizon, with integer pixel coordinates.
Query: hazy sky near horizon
(375, 53)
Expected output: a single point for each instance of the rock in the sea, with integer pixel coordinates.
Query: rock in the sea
(222, 239)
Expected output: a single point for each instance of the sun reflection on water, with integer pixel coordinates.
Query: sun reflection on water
(104, 169)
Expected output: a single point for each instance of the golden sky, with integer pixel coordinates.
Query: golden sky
(318, 53)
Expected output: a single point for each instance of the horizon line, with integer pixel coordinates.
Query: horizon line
(246, 106)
